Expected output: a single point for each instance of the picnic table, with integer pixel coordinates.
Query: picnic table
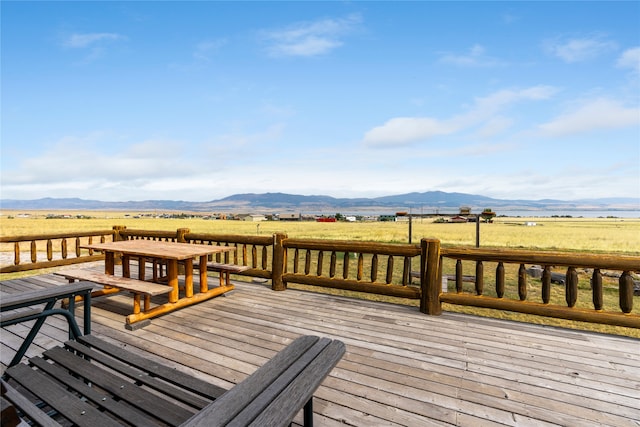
(162, 253)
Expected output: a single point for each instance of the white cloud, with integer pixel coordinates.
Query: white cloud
(205, 49)
(601, 113)
(475, 57)
(93, 45)
(408, 130)
(579, 49)
(630, 58)
(88, 39)
(94, 159)
(310, 38)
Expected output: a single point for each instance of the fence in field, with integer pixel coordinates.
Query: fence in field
(387, 269)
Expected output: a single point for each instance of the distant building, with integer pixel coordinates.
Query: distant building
(465, 210)
(326, 219)
(290, 216)
(252, 217)
(458, 218)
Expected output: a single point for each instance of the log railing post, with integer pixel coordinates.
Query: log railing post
(430, 277)
(626, 292)
(522, 283)
(571, 284)
(180, 233)
(277, 263)
(500, 280)
(117, 229)
(479, 278)
(546, 284)
(596, 289)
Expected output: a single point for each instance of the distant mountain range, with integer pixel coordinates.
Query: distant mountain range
(429, 201)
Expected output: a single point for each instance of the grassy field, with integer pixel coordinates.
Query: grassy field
(599, 235)
(611, 235)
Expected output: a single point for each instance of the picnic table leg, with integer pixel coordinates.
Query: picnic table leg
(204, 287)
(126, 265)
(188, 277)
(156, 266)
(172, 274)
(109, 262)
(87, 313)
(136, 303)
(141, 268)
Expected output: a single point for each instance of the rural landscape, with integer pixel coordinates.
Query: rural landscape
(330, 213)
(562, 233)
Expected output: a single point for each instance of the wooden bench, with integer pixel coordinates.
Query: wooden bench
(115, 284)
(90, 382)
(224, 270)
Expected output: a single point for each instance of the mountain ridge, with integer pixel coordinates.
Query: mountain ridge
(434, 200)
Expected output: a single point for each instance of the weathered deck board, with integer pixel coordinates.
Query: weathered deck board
(401, 367)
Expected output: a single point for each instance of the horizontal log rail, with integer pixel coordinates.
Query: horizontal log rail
(52, 250)
(122, 233)
(565, 259)
(622, 266)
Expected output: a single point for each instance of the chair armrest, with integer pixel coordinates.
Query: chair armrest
(278, 390)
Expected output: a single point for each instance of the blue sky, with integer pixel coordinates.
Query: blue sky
(196, 101)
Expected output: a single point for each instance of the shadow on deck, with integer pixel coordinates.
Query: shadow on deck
(401, 367)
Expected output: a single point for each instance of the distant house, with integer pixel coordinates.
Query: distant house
(458, 218)
(252, 217)
(465, 210)
(350, 218)
(326, 219)
(290, 216)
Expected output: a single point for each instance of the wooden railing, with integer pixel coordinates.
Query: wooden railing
(496, 298)
(375, 256)
(255, 252)
(52, 250)
(387, 269)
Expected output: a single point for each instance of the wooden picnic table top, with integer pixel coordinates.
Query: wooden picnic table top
(157, 249)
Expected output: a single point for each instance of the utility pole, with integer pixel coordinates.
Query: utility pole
(410, 227)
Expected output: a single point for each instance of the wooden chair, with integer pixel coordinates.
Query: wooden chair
(90, 382)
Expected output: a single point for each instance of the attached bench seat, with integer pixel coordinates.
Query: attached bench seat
(113, 284)
(224, 270)
(126, 283)
(91, 383)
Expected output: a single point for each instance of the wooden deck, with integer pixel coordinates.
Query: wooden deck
(401, 367)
